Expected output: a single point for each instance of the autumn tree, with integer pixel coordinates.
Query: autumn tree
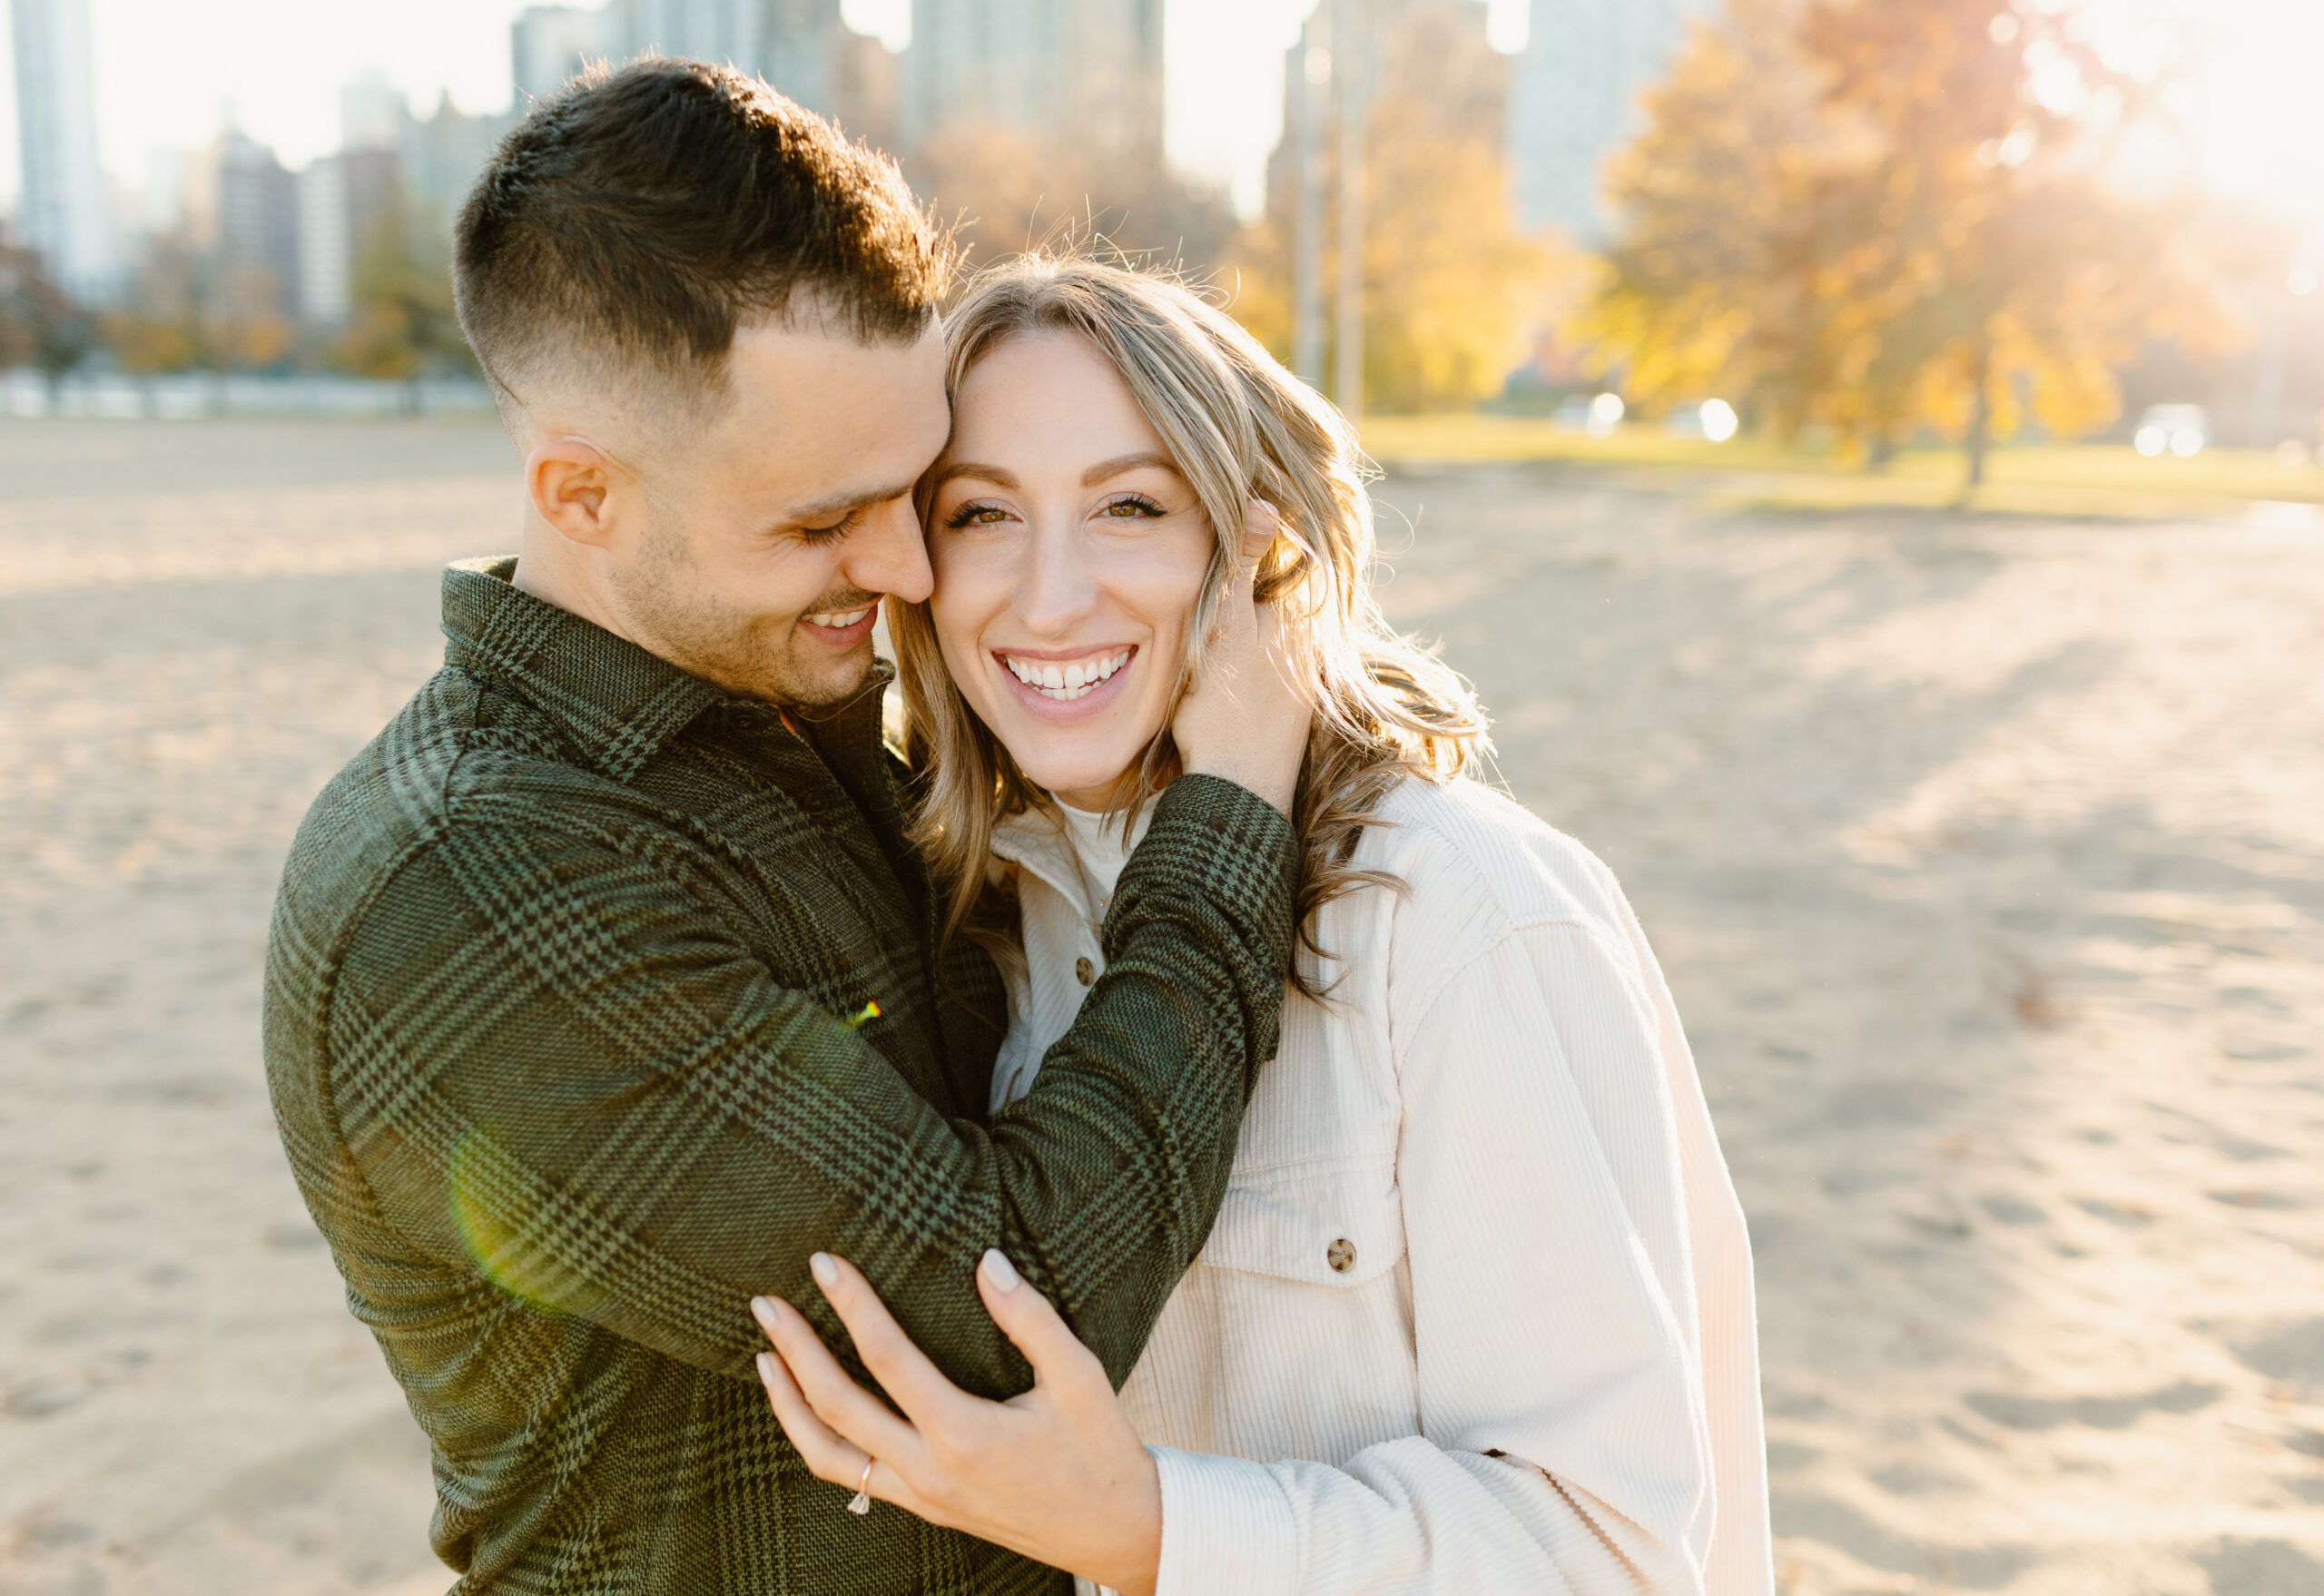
(401, 325)
(1876, 215)
(184, 310)
(1449, 282)
(40, 324)
(1712, 287)
(249, 324)
(161, 323)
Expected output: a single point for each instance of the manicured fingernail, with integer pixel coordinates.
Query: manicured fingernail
(765, 1361)
(826, 1273)
(762, 1310)
(1000, 1271)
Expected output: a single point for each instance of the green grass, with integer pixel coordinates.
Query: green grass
(2108, 480)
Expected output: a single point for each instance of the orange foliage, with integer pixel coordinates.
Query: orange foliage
(1876, 215)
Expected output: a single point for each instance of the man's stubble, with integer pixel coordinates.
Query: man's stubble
(680, 616)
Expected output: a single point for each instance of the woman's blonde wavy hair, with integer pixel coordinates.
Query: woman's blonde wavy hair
(1238, 426)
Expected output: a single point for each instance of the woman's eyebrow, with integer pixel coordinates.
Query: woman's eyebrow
(1105, 469)
(998, 476)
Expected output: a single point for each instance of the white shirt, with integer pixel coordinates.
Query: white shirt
(1476, 1315)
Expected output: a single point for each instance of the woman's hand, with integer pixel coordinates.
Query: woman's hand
(1244, 718)
(1056, 1474)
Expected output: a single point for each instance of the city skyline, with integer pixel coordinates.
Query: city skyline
(1221, 90)
(167, 75)
(1038, 65)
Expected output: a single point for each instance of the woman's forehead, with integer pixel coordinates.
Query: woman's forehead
(1059, 376)
(1049, 403)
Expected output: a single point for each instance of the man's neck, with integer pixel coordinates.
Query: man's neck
(559, 575)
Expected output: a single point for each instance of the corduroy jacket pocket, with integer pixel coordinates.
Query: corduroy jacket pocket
(1341, 1225)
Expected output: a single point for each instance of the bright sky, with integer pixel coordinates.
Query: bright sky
(167, 69)
(2263, 119)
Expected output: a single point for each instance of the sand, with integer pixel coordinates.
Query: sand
(1986, 857)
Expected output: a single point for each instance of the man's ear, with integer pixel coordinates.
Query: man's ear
(570, 481)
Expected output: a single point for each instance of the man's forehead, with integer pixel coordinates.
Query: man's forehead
(822, 422)
(770, 346)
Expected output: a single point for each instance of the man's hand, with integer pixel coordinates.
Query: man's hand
(1246, 717)
(1056, 1474)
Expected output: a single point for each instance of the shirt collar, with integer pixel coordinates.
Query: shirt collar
(618, 703)
(1035, 839)
(1043, 842)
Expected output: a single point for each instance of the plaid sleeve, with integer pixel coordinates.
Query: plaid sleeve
(1141, 1099)
(550, 1064)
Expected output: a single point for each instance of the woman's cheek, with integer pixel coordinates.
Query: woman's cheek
(1175, 591)
(1166, 572)
(953, 612)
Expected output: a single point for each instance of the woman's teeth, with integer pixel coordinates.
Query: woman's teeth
(1064, 682)
(839, 620)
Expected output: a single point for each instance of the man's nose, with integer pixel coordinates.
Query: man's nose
(889, 555)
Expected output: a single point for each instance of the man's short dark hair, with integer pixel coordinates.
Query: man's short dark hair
(629, 224)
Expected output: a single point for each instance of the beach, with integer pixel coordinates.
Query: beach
(1985, 855)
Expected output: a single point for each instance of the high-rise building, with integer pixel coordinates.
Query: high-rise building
(786, 41)
(864, 87)
(442, 154)
(1573, 101)
(418, 168)
(373, 113)
(803, 47)
(258, 226)
(376, 192)
(1089, 71)
(797, 51)
(65, 215)
(326, 244)
(549, 44)
(163, 206)
(726, 31)
(342, 203)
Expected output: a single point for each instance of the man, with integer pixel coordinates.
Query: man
(604, 988)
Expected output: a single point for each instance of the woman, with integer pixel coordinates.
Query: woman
(1476, 1314)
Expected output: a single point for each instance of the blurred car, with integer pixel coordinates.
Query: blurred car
(1713, 421)
(2178, 429)
(1597, 415)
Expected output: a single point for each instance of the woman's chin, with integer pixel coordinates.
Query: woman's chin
(1081, 781)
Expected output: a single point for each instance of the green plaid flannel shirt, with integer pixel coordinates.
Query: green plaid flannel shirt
(557, 1027)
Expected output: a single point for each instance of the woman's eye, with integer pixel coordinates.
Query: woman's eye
(1135, 506)
(975, 514)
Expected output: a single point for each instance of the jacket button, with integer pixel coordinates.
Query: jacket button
(1084, 971)
(1340, 1256)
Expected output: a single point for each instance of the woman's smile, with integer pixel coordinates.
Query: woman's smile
(1061, 679)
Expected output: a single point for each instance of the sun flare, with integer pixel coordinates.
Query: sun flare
(2250, 97)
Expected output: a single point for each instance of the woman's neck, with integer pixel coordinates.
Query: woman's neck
(1097, 800)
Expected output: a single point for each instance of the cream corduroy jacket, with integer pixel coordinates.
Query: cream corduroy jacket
(1476, 1316)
